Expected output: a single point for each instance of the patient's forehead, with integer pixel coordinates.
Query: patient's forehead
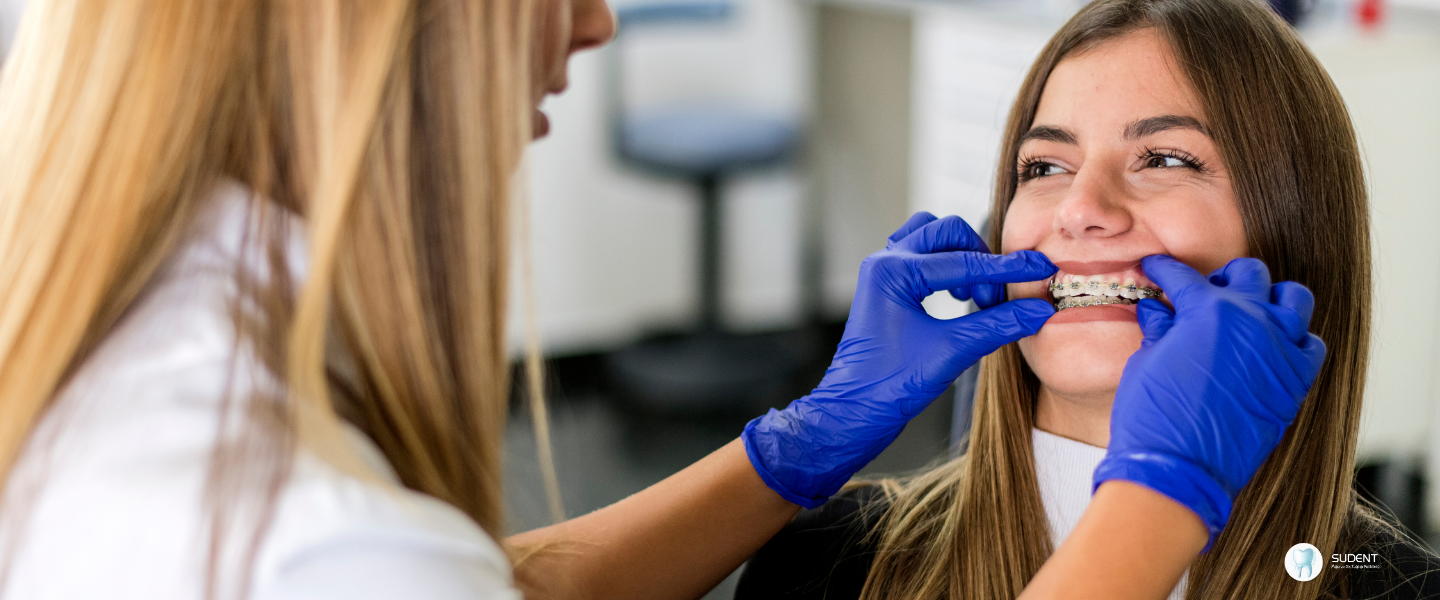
(1099, 91)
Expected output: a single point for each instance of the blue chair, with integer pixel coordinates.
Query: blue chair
(702, 143)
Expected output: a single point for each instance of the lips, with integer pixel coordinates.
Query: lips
(1097, 267)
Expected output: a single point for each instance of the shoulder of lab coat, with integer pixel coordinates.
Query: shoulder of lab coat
(109, 496)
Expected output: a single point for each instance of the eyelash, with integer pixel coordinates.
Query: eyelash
(1026, 163)
(1023, 171)
(1189, 159)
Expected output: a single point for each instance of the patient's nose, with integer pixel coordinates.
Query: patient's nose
(1091, 208)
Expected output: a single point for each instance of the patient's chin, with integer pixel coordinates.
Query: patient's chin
(1079, 366)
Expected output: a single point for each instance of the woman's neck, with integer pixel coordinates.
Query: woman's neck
(1080, 418)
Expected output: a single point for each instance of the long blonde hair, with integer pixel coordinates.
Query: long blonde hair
(394, 128)
(975, 527)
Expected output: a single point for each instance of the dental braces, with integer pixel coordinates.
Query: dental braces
(1097, 296)
(1090, 301)
(1097, 288)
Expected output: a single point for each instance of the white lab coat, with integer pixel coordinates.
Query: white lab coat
(110, 486)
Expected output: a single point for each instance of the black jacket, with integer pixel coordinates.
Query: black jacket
(824, 555)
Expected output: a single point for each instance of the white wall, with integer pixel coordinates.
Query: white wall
(10, 12)
(1391, 81)
(614, 249)
(1391, 85)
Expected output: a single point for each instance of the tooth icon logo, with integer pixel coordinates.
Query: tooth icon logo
(1303, 562)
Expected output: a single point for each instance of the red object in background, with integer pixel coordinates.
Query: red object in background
(1370, 12)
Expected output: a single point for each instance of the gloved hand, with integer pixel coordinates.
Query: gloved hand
(1214, 384)
(894, 359)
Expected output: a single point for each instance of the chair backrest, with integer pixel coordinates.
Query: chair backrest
(645, 14)
(651, 13)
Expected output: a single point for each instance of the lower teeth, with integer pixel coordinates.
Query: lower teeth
(1075, 302)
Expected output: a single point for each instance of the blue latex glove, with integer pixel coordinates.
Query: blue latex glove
(894, 359)
(1214, 384)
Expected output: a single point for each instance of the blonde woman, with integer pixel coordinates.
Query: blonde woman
(251, 334)
(1202, 129)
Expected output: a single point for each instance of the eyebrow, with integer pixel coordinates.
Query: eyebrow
(1154, 125)
(1049, 133)
(1135, 130)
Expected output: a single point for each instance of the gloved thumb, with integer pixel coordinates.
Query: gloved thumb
(982, 332)
(1155, 319)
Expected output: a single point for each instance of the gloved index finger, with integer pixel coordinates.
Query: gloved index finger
(1175, 278)
(949, 234)
(916, 221)
(964, 270)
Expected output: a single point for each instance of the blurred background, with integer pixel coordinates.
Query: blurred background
(842, 117)
(814, 128)
(715, 176)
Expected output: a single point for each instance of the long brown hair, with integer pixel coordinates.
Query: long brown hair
(394, 128)
(975, 527)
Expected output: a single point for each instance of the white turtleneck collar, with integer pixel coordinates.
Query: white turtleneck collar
(1064, 468)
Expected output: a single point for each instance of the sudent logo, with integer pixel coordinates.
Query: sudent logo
(1355, 561)
(1303, 562)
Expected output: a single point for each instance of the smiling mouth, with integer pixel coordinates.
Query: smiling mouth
(1076, 291)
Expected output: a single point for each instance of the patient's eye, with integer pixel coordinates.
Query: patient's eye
(1034, 168)
(1170, 159)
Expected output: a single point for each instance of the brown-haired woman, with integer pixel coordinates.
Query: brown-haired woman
(251, 334)
(1203, 129)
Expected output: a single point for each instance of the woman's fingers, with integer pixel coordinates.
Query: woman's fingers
(949, 234)
(1290, 307)
(924, 234)
(1314, 350)
(1295, 297)
(1248, 276)
(980, 333)
(1155, 319)
(970, 271)
(1177, 279)
(916, 221)
(961, 272)
(985, 296)
(1304, 360)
